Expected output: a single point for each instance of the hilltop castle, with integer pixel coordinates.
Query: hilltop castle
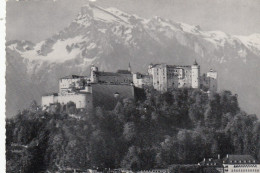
(105, 88)
(164, 77)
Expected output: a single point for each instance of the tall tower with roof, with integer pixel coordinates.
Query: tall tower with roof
(195, 75)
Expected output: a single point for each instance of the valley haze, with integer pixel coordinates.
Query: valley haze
(111, 38)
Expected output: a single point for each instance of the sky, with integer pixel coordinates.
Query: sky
(36, 20)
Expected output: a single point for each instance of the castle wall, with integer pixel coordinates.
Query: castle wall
(88, 89)
(120, 77)
(179, 77)
(82, 100)
(166, 77)
(65, 84)
(213, 84)
(105, 95)
(47, 100)
(140, 80)
(137, 78)
(159, 73)
(195, 76)
(115, 79)
(210, 81)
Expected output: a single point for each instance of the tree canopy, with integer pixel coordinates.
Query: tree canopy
(180, 126)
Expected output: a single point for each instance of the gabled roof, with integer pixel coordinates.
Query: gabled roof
(238, 159)
(50, 94)
(155, 65)
(211, 162)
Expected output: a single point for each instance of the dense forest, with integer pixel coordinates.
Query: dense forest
(180, 126)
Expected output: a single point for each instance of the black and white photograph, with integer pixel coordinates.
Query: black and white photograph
(131, 86)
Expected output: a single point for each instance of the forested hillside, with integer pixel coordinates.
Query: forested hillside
(181, 126)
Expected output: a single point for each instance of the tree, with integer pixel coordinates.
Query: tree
(71, 107)
(132, 160)
(129, 131)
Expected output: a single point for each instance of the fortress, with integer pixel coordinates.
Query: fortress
(105, 88)
(164, 77)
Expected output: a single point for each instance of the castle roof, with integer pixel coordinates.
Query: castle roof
(100, 73)
(72, 77)
(123, 71)
(195, 62)
(169, 66)
(142, 75)
(211, 70)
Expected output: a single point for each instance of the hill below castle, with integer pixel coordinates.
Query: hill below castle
(178, 127)
(111, 38)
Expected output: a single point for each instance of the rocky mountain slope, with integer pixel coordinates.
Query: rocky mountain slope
(110, 38)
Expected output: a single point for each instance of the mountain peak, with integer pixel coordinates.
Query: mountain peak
(92, 12)
(86, 9)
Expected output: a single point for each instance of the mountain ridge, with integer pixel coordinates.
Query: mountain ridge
(111, 38)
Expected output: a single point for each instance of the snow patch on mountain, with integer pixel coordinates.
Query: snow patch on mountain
(189, 28)
(252, 42)
(59, 53)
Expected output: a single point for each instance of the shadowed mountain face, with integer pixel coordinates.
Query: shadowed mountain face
(110, 38)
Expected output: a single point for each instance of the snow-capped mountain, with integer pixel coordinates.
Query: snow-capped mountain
(111, 38)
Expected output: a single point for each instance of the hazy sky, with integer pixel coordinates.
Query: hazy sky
(36, 20)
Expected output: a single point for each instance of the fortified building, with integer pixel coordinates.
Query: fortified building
(105, 88)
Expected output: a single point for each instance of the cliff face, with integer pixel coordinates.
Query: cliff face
(110, 38)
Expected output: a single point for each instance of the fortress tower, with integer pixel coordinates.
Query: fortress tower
(212, 80)
(150, 69)
(129, 67)
(93, 77)
(195, 75)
